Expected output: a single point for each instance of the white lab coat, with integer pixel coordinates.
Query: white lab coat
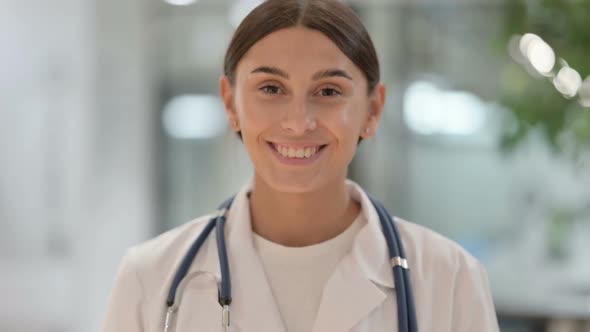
(450, 287)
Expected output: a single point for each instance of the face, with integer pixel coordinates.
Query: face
(301, 106)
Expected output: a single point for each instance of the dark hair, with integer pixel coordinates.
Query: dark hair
(334, 19)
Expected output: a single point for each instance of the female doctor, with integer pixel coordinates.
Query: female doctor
(306, 247)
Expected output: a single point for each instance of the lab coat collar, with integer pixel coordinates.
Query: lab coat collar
(253, 306)
(359, 283)
(359, 273)
(370, 248)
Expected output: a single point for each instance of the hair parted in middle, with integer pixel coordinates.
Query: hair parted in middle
(331, 17)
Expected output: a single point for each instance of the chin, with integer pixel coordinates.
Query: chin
(293, 184)
(294, 188)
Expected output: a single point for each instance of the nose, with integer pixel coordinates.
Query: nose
(299, 118)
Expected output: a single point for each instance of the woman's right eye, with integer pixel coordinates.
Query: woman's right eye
(270, 89)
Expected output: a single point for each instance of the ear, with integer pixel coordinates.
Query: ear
(227, 96)
(376, 105)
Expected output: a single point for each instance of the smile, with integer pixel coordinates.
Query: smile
(297, 152)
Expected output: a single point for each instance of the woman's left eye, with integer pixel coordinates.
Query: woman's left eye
(329, 92)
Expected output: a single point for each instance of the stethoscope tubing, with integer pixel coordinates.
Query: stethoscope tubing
(187, 261)
(405, 299)
(393, 248)
(225, 288)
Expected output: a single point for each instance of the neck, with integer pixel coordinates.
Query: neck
(301, 219)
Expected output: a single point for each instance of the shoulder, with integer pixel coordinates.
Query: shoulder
(452, 284)
(154, 259)
(145, 273)
(172, 238)
(429, 251)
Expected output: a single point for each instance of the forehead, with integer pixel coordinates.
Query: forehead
(298, 50)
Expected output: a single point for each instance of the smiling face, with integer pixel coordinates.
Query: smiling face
(301, 106)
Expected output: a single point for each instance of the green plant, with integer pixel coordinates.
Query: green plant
(534, 101)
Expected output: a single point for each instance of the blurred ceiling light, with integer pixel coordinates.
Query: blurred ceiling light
(429, 110)
(584, 92)
(526, 40)
(567, 81)
(541, 56)
(535, 50)
(241, 9)
(194, 117)
(180, 2)
(538, 57)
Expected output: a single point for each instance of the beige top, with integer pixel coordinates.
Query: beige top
(297, 275)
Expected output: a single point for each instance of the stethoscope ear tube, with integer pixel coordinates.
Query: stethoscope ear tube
(187, 261)
(412, 319)
(409, 296)
(400, 289)
(405, 303)
(225, 290)
(194, 249)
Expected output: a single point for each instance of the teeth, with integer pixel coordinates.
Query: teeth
(296, 153)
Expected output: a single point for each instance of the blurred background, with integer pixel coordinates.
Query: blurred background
(111, 132)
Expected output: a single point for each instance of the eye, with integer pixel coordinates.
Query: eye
(329, 92)
(270, 89)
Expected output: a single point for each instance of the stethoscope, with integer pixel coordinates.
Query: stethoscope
(405, 299)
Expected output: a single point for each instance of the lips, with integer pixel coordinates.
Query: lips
(299, 152)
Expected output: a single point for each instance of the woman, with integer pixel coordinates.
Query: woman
(306, 250)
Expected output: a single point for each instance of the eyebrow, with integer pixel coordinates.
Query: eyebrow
(270, 70)
(332, 72)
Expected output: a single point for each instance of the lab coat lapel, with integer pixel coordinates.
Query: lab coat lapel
(348, 298)
(362, 279)
(254, 307)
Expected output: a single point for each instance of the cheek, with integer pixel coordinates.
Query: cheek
(347, 120)
(252, 114)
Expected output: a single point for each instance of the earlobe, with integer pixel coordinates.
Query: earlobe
(227, 96)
